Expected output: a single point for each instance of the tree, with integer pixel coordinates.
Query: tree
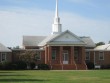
(28, 56)
(100, 43)
(109, 42)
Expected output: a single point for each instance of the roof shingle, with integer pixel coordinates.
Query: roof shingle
(4, 49)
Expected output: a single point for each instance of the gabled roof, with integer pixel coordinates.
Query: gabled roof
(65, 38)
(58, 39)
(48, 38)
(32, 40)
(89, 42)
(102, 47)
(4, 49)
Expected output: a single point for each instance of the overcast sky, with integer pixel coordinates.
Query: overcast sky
(35, 17)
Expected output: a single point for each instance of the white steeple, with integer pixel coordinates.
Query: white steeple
(56, 26)
(56, 13)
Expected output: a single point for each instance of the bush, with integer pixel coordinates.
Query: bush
(108, 66)
(20, 65)
(14, 66)
(43, 67)
(32, 65)
(6, 65)
(90, 65)
(105, 66)
(0, 66)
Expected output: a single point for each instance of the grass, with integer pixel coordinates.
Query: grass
(96, 76)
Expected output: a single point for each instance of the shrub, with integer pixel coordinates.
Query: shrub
(6, 65)
(43, 67)
(105, 66)
(32, 65)
(14, 66)
(20, 65)
(108, 66)
(90, 65)
(0, 66)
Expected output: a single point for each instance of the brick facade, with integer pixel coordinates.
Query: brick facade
(16, 53)
(8, 56)
(94, 57)
(58, 64)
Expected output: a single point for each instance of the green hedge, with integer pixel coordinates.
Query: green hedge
(105, 66)
(90, 65)
(43, 67)
(19, 65)
(32, 65)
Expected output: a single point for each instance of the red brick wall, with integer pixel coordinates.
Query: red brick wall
(80, 63)
(72, 65)
(16, 54)
(42, 60)
(106, 60)
(46, 57)
(8, 56)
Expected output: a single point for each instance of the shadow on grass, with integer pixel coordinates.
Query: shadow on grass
(12, 75)
(6, 72)
(22, 80)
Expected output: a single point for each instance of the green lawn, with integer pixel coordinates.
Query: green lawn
(96, 76)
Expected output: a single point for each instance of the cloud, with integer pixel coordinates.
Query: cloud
(82, 26)
(78, 1)
(16, 23)
(93, 3)
(87, 2)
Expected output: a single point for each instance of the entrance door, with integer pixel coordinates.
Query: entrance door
(65, 57)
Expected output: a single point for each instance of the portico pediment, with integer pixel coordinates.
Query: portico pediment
(66, 37)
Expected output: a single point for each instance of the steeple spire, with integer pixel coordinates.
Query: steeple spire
(56, 27)
(56, 14)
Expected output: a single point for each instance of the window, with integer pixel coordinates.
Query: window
(38, 56)
(87, 55)
(3, 56)
(53, 54)
(65, 55)
(76, 54)
(101, 55)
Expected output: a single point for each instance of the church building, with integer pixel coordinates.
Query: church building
(60, 50)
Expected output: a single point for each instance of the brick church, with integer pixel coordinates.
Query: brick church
(60, 50)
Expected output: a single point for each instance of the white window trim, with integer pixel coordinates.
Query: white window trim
(55, 54)
(39, 55)
(5, 56)
(64, 53)
(89, 56)
(100, 55)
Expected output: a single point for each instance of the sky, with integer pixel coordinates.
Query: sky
(20, 18)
